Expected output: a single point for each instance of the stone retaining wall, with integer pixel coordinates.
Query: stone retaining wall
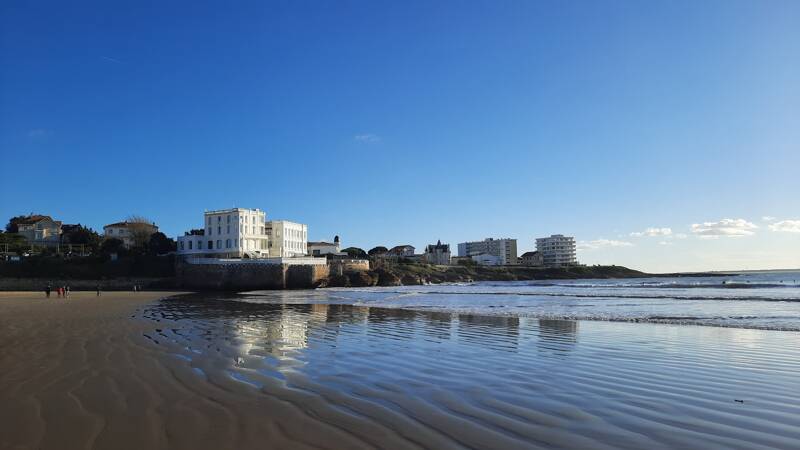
(247, 277)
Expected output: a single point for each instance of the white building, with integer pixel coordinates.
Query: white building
(129, 232)
(287, 239)
(228, 233)
(557, 250)
(504, 249)
(485, 259)
(322, 248)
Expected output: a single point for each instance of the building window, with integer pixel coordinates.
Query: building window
(229, 229)
(228, 219)
(181, 245)
(227, 243)
(219, 219)
(219, 230)
(190, 245)
(210, 230)
(211, 245)
(219, 243)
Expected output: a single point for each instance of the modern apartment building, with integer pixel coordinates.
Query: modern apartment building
(505, 250)
(557, 250)
(287, 239)
(228, 233)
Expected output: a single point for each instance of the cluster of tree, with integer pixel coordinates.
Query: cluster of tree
(139, 228)
(355, 252)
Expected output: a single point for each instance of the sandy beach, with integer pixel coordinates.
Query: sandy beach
(127, 371)
(80, 374)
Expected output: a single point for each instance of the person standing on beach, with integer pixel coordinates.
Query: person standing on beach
(98, 290)
(47, 291)
(66, 291)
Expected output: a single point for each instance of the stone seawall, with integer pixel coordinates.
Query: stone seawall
(245, 277)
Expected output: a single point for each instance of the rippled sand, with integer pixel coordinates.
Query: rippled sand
(197, 372)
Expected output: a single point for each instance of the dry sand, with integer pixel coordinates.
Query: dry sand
(78, 374)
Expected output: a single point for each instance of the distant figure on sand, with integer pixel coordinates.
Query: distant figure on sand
(47, 290)
(66, 291)
(98, 290)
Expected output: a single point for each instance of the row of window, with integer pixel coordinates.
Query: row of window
(242, 219)
(261, 244)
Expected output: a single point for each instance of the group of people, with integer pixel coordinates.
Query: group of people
(61, 291)
(64, 291)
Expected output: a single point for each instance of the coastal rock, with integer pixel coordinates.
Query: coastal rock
(387, 278)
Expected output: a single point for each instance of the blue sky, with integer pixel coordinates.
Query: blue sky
(408, 122)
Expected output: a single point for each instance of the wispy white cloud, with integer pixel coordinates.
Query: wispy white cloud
(653, 232)
(368, 138)
(110, 59)
(602, 243)
(724, 228)
(37, 133)
(769, 219)
(789, 226)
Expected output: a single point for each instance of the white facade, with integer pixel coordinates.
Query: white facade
(325, 248)
(228, 233)
(557, 250)
(287, 239)
(485, 259)
(504, 249)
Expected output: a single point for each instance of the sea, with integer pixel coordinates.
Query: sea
(684, 362)
(763, 300)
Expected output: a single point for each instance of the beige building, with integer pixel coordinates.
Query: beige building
(40, 230)
(129, 232)
(533, 259)
(287, 239)
(505, 250)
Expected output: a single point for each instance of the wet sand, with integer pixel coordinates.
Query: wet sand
(123, 371)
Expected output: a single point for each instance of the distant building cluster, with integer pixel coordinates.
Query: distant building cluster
(247, 233)
(42, 231)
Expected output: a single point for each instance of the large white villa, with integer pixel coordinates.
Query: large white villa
(244, 233)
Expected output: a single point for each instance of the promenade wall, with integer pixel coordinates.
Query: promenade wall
(255, 274)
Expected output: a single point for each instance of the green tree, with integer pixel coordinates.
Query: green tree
(13, 243)
(11, 227)
(82, 235)
(160, 244)
(112, 245)
(355, 252)
(377, 250)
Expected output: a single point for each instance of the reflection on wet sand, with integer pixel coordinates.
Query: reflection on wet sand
(462, 380)
(557, 335)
